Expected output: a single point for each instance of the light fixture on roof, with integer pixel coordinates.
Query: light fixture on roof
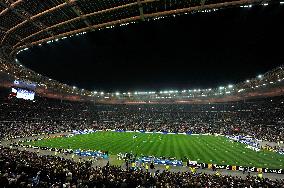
(240, 90)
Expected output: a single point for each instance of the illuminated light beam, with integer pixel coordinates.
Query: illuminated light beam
(77, 11)
(31, 18)
(11, 6)
(74, 19)
(171, 12)
(64, 35)
(38, 15)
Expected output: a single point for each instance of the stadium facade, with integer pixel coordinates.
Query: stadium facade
(27, 23)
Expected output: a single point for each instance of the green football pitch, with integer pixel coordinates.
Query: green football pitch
(201, 148)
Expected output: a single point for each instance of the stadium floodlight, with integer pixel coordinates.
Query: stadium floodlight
(282, 3)
(246, 6)
(248, 81)
(265, 4)
(74, 87)
(221, 88)
(260, 76)
(102, 93)
(240, 90)
(117, 93)
(230, 86)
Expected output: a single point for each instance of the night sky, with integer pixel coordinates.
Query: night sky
(199, 50)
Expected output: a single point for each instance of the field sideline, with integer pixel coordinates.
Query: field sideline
(207, 149)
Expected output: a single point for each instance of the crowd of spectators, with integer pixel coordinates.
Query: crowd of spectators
(260, 118)
(27, 169)
(15, 71)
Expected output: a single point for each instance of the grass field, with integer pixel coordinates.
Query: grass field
(207, 149)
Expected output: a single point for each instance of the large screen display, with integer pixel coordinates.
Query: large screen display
(25, 85)
(25, 94)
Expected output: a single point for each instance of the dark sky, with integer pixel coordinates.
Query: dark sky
(191, 51)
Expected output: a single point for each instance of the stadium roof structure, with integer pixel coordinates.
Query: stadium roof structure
(26, 23)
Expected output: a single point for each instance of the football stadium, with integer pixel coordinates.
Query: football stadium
(141, 93)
